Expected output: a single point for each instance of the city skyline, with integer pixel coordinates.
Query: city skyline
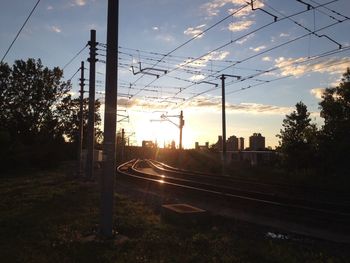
(275, 75)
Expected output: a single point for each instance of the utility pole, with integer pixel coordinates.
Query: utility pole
(181, 125)
(91, 119)
(223, 115)
(110, 121)
(223, 77)
(123, 144)
(81, 120)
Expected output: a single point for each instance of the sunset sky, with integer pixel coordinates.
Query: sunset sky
(283, 52)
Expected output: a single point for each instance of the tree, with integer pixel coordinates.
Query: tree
(28, 93)
(298, 139)
(67, 113)
(335, 136)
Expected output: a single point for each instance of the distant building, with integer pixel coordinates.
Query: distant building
(232, 143)
(218, 144)
(202, 147)
(148, 144)
(256, 142)
(254, 158)
(241, 144)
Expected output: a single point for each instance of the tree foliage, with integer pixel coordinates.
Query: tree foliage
(335, 137)
(36, 113)
(298, 139)
(29, 92)
(328, 149)
(67, 113)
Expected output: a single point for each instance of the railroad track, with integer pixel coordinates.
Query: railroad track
(302, 193)
(228, 193)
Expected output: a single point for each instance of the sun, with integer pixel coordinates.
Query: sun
(163, 132)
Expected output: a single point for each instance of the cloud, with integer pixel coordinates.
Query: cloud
(242, 13)
(78, 3)
(214, 104)
(240, 26)
(297, 68)
(266, 58)
(202, 62)
(317, 92)
(197, 77)
(209, 103)
(212, 8)
(194, 31)
(245, 39)
(257, 49)
(55, 29)
(72, 93)
(284, 35)
(165, 38)
(256, 108)
(138, 104)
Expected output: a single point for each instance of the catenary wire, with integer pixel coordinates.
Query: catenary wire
(242, 37)
(20, 30)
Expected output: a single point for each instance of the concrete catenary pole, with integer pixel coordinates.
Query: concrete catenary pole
(223, 120)
(182, 122)
(91, 119)
(81, 120)
(123, 145)
(223, 77)
(110, 121)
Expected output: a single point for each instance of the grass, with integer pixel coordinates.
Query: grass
(45, 216)
(210, 162)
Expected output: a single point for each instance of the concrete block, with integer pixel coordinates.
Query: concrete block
(183, 214)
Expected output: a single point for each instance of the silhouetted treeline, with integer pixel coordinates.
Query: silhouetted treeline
(325, 150)
(38, 117)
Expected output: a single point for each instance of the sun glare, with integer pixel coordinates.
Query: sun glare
(163, 133)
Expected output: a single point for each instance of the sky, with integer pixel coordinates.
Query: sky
(172, 54)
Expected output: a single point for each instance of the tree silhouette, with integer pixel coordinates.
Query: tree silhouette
(335, 136)
(28, 93)
(298, 139)
(67, 113)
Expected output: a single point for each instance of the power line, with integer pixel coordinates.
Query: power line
(20, 30)
(74, 57)
(331, 10)
(266, 71)
(70, 79)
(196, 36)
(270, 70)
(283, 44)
(242, 37)
(307, 29)
(284, 77)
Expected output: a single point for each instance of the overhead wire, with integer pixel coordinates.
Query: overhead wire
(268, 71)
(196, 36)
(275, 47)
(70, 79)
(305, 28)
(74, 57)
(237, 39)
(20, 30)
(288, 76)
(331, 10)
(233, 64)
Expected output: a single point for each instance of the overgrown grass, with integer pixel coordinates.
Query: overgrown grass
(47, 217)
(210, 162)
